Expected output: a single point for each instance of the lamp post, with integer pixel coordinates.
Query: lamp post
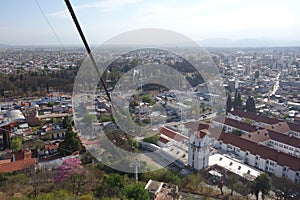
(135, 164)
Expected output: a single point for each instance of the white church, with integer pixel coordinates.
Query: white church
(199, 149)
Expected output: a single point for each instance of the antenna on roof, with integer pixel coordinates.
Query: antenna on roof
(87, 47)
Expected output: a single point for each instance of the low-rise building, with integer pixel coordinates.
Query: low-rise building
(19, 161)
(162, 191)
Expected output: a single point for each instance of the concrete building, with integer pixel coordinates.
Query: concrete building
(162, 191)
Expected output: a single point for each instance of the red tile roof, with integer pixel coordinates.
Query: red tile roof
(255, 117)
(18, 165)
(243, 144)
(263, 151)
(257, 136)
(51, 146)
(281, 127)
(163, 140)
(172, 134)
(294, 127)
(5, 161)
(237, 124)
(201, 133)
(289, 140)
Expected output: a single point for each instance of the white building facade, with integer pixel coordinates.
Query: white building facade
(199, 148)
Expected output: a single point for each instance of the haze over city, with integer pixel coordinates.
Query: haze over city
(212, 23)
(148, 114)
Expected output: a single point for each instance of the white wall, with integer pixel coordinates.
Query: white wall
(199, 150)
(262, 163)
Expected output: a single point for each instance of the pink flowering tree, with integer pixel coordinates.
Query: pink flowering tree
(71, 170)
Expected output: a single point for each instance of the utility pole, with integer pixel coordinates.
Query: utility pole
(135, 164)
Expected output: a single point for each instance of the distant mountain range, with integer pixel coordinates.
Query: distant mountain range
(211, 42)
(224, 42)
(4, 46)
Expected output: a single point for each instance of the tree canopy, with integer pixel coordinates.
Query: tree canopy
(147, 99)
(69, 167)
(136, 192)
(229, 103)
(111, 186)
(152, 139)
(164, 175)
(237, 104)
(250, 104)
(70, 144)
(262, 184)
(66, 123)
(16, 144)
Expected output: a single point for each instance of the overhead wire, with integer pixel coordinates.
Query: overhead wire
(51, 27)
(61, 44)
(87, 47)
(73, 15)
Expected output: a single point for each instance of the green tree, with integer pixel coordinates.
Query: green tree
(133, 143)
(262, 184)
(50, 104)
(256, 74)
(70, 144)
(237, 105)
(16, 144)
(66, 123)
(229, 103)
(283, 187)
(6, 139)
(152, 139)
(56, 194)
(250, 104)
(232, 183)
(135, 62)
(111, 186)
(147, 99)
(237, 132)
(105, 118)
(192, 182)
(248, 121)
(86, 197)
(136, 192)
(53, 120)
(164, 175)
(243, 189)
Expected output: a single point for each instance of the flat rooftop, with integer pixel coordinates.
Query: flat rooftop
(177, 152)
(234, 166)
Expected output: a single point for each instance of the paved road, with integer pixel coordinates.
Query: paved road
(276, 85)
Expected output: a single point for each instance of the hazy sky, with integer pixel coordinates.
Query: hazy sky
(21, 21)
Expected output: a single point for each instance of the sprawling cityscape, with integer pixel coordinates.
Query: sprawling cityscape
(256, 137)
(159, 121)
